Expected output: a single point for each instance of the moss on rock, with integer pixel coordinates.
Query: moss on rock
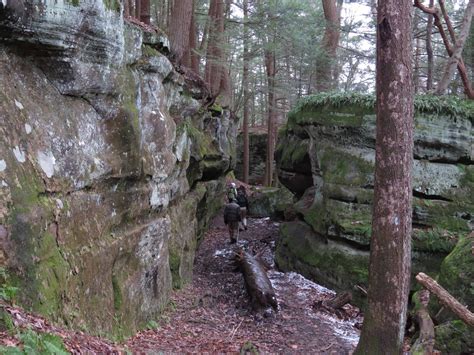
(454, 337)
(457, 271)
(269, 202)
(326, 262)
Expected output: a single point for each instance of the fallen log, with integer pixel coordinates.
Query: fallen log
(446, 299)
(335, 304)
(258, 284)
(339, 301)
(426, 341)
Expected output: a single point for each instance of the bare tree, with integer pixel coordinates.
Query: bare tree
(438, 14)
(390, 248)
(458, 47)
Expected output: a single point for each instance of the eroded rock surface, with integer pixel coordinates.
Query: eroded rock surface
(333, 142)
(110, 168)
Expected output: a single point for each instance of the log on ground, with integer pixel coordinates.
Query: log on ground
(258, 284)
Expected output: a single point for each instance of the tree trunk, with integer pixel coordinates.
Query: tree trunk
(126, 8)
(179, 29)
(214, 69)
(446, 299)
(324, 64)
(429, 51)
(416, 73)
(245, 87)
(193, 56)
(457, 51)
(138, 11)
(271, 112)
(145, 11)
(390, 249)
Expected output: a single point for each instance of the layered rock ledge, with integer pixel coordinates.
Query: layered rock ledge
(326, 156)
(111, 164)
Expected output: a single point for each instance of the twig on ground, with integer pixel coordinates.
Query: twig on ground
(232, 333)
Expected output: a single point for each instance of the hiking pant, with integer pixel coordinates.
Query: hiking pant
(234, 231)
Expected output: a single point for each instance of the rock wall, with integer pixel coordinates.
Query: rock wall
(257, 156)
(110, 165)
(326, 156)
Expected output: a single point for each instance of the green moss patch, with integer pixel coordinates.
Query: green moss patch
(175, 262)
(291, 153)
(454, 338)
(348, 108)
(325, 262)
(457, 271)
(339, 167)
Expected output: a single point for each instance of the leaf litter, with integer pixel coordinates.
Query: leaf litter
(213, 313)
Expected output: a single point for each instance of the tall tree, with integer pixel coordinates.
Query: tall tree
(270, 67)
(180, 27)
(390, 248)
(193, 61)
(429, 51)
(214, 56)
(145, 11)
(325, 63)
(245, 86)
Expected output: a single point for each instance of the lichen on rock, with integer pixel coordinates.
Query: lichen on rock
(96, 170)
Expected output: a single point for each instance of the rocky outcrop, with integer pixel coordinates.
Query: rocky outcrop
(110, 166)
(269, 202)
(332, 140)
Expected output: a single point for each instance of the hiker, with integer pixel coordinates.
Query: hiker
(232, 219)
(243, 202)
(231, 192)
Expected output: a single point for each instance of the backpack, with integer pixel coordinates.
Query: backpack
(231, 194)
(241, 199)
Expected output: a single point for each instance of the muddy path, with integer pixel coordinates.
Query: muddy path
(213, 313)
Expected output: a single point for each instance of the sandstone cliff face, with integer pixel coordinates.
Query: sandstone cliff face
(110, 167)
(332, 141)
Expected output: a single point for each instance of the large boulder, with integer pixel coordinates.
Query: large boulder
(110, 168)
(332, 138)
(269, 201)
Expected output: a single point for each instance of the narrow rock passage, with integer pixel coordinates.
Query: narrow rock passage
(213, 313)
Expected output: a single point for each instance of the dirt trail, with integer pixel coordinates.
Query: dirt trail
(213, 314)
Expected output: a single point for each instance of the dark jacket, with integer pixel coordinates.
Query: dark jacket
(231, 213)
(242, 200)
